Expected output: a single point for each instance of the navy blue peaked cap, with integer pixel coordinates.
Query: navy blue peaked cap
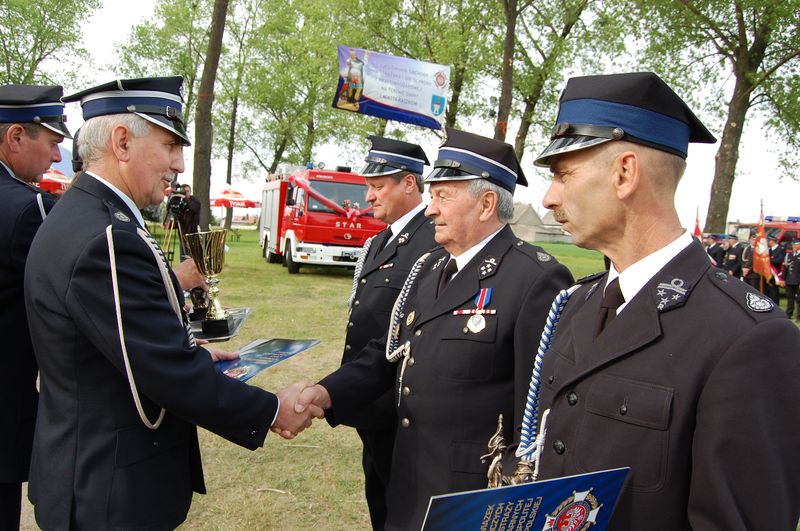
(155, 99)
(387, 156)
(638, 107)
(467, 156)
(37, 104)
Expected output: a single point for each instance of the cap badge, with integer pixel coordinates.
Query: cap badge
(757, 303)
(120, 216)
(671, 294)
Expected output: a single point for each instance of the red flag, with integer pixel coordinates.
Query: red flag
(761, 263)
(697, 232)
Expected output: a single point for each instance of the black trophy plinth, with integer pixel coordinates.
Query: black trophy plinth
(217, 327)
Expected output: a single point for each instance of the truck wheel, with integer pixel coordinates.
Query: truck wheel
(291, 265)
(286, 248)
(269, 256)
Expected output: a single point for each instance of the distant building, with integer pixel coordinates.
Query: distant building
(529, 226)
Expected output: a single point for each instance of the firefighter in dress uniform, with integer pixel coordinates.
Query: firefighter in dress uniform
(463, 333)
(393, 174)
(123, 381)
(32, 125)
(707, 423)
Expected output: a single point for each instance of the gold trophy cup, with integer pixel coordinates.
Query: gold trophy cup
(207, 250)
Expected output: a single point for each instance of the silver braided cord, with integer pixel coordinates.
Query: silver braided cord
(359, 267)
(530, 418)
(393, 354)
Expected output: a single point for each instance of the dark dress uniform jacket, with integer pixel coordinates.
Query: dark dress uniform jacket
(379, 283)
(456, 382)
(20, 217)
(717, 253)
(708, 423)
(95, 463)
(791, 268)
(733, 260)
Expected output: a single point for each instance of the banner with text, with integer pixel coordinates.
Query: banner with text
(393, 88)
(568, 503)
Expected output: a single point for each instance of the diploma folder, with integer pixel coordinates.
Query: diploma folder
(570, 503)
(262, 353)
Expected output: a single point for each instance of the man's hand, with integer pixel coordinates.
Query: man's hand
(291, 418)
(188, 275)
(220, 355)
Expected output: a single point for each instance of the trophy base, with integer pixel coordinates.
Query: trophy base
(217, 327)
(198, 314)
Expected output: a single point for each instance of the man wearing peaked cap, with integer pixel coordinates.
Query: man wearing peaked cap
(393, 173)
(633, 378)
(31, 128)
(458, 353)
(123, 382)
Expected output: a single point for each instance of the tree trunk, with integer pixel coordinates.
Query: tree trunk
(727, 156)
(280, 147)
(525, 126)
(508, 70)
(457, 84)
(203, 136)
(231, 145)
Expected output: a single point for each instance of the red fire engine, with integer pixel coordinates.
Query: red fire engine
(315, 217)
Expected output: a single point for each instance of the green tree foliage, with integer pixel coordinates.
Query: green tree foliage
(746, 54)
(33, 33)
(172, 42)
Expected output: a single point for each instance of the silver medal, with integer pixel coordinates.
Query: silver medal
(476, 323)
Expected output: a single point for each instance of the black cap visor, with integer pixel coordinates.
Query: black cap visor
(450, 174)
(565, 144)
(174, 125)
(378, 169)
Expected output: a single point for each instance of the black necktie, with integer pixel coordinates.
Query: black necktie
(612, 299)
(449, 270)
(383, 239)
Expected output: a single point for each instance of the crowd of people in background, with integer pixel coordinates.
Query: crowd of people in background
(736, 258)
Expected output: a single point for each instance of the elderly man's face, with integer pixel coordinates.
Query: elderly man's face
(581, 196)
(154, 161)
(36, 154)
(455, 213)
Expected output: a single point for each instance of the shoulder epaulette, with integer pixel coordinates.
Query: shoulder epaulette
(590, 278)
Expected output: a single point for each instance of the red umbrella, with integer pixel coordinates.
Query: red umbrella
(231, 198)
(54, 182)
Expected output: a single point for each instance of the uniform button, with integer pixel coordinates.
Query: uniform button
(623, 409)
(551, 379)
(347, 348)
(386, 280)
(411, 362)
(155, 443)
(418, 333)
(406, 391)
(350, 324)
(572, 398)
(363, 280)
(559, 446)
(356, 303)
(253, 433)
(465, 330)
(405, 423)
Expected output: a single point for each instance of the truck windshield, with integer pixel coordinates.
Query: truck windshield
(343, 194)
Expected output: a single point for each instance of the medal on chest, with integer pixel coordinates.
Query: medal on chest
(476, 321)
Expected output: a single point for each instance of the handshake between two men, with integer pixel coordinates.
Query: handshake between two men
(300, 402)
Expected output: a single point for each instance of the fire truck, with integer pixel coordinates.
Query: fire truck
(315, 217)
(783, 229)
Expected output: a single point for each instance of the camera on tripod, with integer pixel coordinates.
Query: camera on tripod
(177, 203)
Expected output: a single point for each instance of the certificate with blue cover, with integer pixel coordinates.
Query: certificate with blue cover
(573, 503)
(262, 353)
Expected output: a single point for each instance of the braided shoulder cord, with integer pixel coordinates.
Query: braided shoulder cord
(530, 418)
(359, 267)
(397, 310)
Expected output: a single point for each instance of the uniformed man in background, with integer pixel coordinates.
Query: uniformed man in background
(31, 128)
(791, 277)
(708, 423)
(715, 249)
(733, 256)
(393, 174)
(463, 334)
(123, 382)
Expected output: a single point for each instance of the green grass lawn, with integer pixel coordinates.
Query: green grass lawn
(315, 481)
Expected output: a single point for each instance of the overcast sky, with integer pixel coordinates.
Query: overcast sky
(758, 173)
